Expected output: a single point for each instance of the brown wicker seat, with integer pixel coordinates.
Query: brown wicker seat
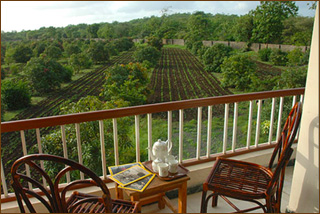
(251, 182)
(53, 196)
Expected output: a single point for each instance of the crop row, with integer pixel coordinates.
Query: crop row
(181, 76)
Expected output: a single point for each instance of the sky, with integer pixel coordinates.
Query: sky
(32, 15)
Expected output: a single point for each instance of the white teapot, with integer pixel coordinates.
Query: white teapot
(161, 149)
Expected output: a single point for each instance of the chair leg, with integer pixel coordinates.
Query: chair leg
(269, 206)
(203, 208)
(214, 200)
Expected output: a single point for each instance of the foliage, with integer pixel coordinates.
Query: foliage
(39, 48)
(126, 82)
(148, 53)
(46, 74)
(155, 42)
(80, 61)
(15, 94)
(214, 56)
(293, 78)
(90, 139)
(264, 54)
(198, 27)
(278, 57)
(98, 52)
(21, 53)
(124, 44)
(243, 28)
(3, 74)
(298, 30)
(296, 57)
(53, 52)
(268, 20)
(196, 47)
(238, 71)
(72, 48)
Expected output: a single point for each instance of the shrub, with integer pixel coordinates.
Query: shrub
(15, 94)
(155, 42)
(264, 54)
(148, 53)
(296, 57)
(98, 52)
(80, 61)
(196, 47)
(53, 52)
(238, 71)
(214, 57)
(278, 57)
(126, 82)
(124, 44)
(22, 54)
(293, 78)
(46, 74)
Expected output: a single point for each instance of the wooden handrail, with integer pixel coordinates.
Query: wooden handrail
(143, 109)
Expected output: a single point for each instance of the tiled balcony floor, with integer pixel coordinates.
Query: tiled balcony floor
(194, 201)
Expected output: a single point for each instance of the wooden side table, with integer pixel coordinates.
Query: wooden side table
(156, 192)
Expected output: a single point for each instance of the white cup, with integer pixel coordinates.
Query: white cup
(155, 165)
(173, 166)
(163, 169)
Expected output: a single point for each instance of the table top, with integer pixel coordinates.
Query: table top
(157, 185)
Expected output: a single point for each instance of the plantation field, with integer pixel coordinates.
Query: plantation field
(180, 76)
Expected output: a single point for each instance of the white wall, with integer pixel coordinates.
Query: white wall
(304, 197)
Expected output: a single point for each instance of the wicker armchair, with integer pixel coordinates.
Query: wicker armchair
(53, 196)
(251, 182)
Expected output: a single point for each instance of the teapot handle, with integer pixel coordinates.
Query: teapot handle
(169, 146)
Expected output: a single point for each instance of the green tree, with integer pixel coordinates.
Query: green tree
(293, 78)
(155, 42)
(268, 20)
(80, 61)
(214, 57)
(22, 53)
(238, 71)
(278, 57)
(244, 27)
(98, 52)
(128, 83)
(124, 44)
(93, 30)
(15, 94)
(148, 53)
(53, 52)
(46, 74)
(72, 48)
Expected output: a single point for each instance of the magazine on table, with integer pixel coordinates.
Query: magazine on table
(139, 185)
(130, 175)
(116, 169)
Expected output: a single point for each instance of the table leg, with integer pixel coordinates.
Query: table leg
(161, 202)
(119, 192)
(136, 198)
(182, 198)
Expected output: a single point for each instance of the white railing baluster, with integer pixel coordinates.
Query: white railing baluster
(294, 100)
(199, 133)
(170, 126)
(301, 98)
(235, 127)
(258, 124)
(149, 135)
(180, 135)
(79, 148)
(209, 132)
(65, 150)
(40, 152)
(249, 124)
(279, 117)
(137, 128)
(103, 150)
(225, 131)
(24, 150)
(271, 120)
(3, 181)
(115, 141)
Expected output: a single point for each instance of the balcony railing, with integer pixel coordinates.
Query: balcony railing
(202, 105)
